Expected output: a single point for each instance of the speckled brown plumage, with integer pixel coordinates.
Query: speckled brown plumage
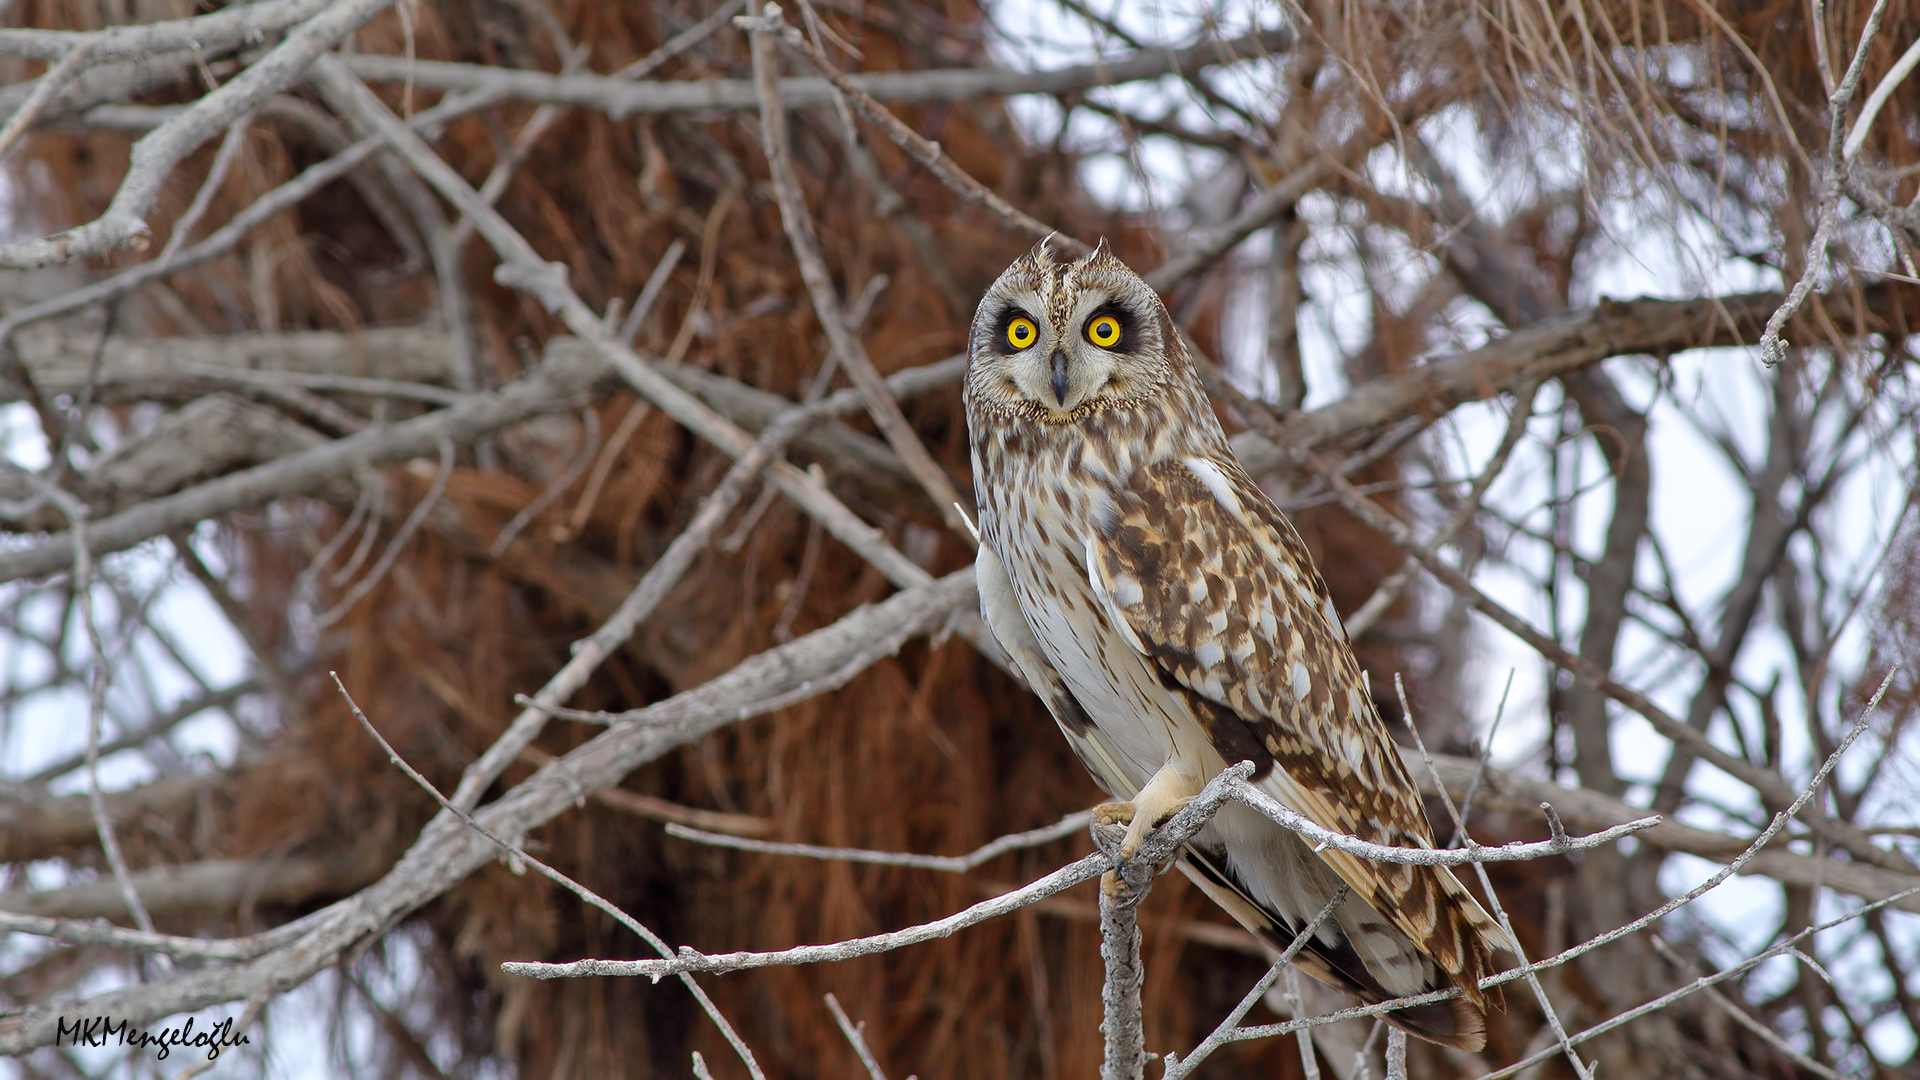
(1171, 618)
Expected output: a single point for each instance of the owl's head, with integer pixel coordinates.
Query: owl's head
(1055, 340)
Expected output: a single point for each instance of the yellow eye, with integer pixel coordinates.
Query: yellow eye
(1104, 331)
(1022, 333)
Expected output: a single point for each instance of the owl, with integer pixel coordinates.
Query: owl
(1174, 624)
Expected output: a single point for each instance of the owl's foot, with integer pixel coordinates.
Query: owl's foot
(1164, 796)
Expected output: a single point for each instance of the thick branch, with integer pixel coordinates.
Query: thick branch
(236, 25)
(1523, 794)
(552, 386)
(620, 97)
(819, 662)
(216, 885)
(156, 154)
(1561, 344)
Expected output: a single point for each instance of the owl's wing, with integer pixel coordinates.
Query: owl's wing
(1211, 585)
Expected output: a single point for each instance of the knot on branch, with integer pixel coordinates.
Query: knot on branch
(547, 282)
(771, 20)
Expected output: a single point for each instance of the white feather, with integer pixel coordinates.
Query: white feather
(1209, 474)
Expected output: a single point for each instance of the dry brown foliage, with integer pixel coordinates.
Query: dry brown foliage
(1667, 106)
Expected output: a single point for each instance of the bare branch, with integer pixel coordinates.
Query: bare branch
(155, 155)
(1389, 590)
(1161, 845)
(1177, 1067)
(1125, 1055)
(550, 387)
(49, 84)
(519, 859)
(93, 932)
(212, 885)
(847, 350)
(1868, 112)
(1773, 348)
(855, 1034)
(620, 98)
(1321, 838)
(446, 853)
(1769, 783)
(245, 23)
(924, 150)
(952, 864)
(1516, 792)
(227, 236)
(687, 960)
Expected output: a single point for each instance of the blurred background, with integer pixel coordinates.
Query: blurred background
(1508, 262)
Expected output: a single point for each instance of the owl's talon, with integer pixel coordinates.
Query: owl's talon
(1142, 824)
(1113, 813)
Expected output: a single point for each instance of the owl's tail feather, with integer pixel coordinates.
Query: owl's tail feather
(1459, 1022)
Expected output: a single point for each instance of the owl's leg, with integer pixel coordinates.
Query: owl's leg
(1170, 789)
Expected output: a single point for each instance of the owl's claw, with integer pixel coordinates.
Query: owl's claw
(1162, 797)
(1142, 824)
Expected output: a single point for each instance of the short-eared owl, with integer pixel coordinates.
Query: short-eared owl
(1174, 623)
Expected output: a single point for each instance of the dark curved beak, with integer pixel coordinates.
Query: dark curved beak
(1060, 376)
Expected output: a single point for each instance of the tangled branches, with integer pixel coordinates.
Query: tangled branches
(274, 413)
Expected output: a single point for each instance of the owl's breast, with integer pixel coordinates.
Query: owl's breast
(1038, 513)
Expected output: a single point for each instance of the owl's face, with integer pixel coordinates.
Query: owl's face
(1057, 341)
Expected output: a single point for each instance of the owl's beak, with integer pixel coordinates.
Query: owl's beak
(1060, 376)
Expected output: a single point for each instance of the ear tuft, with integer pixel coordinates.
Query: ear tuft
(1103, 258)
(1040, 257)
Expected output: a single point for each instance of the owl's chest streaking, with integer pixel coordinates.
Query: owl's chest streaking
(1044, 493)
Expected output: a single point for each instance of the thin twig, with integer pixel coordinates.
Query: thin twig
(156, 154)
(1888, 84)
(411, 525)
(101, 932)
(1766, 781)
(1773, 348)
(855, 1034)
(1788, 947)
(223, 160)
(1740, 1016)
(203, 33)
(56, 79)
(1557, 832)
(76, 513)
(589, 446)
(1160, 846)
(519, 860)
(1321, 838)
(687, 960)
(621, 98)
(1395, 583)
(650, 292)
(852, 356)
(1178, 1067)
(1480, 763)
(925, 151)
(546, 282)
(952, 864)
(1270, 1030)
(223, 239)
